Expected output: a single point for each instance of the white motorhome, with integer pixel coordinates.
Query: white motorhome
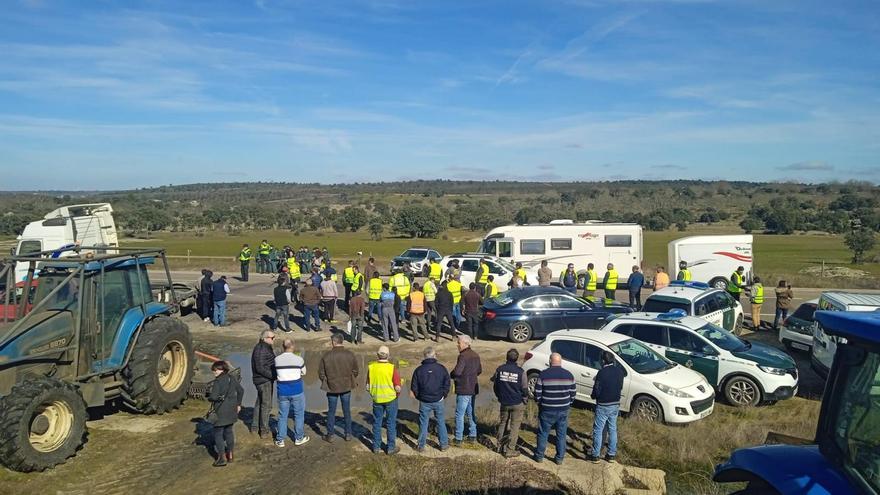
(561, 242)
(825, 346)
(712, 258)
(86, 225)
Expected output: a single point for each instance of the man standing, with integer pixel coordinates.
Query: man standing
(264, 374)
(430, 290)
(454, 287)
(310, 297)
(545, 275)
(329, 295)
(263, 260)
(372, 271)
(783, 303)
(444, 307)
(465, 375)
(610, 281)
(606, 393)
(482, 276)
(206, 298)
(683, 273)
(554, 392)
(338, 372)
(389, 317)
(282, 306)
(737, 283)
(358, 283)
(375, 296)
(348, 281)
(383, 384)
(635, 283)
(568, 279)
(512, 392)
(291, 394)
(244, 258)
(219, 291)
(430, 386)
(400, 282)
(416, 308)
(590, 282)
(472, 302)
(756, 297)
(435, 271)
(356, 313)
(661, 279)
(491, 288)
(521, 273)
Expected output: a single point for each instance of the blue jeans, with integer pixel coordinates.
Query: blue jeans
(456, 312)
(552, 419)
(345, 398)
(425, 410)
(572, 289)
(464, 407)
(403, 311)
(605, 415)
(313, 311)
(386, 413)
(220, 312)
(377, 305)
(299, 411)
(781, 315)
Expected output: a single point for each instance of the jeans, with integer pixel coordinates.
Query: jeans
(464, 407)
(285, 402)
(425, 410)
(450, 320)
(262, 407)
(781, 315)
(473, 322)
(609, 293)
(329, 309)
(377, 305)
(357, 331)
(605, 415)
(557, 420)
(345, 398)
(224, 439)
(573, 289)
(310, 311)
(508, 427)
(635, 300)
(389, 321)
(220, 312)
(282, 316)
(403, 310)
(456, 312)
(244, 271)
(387, 413)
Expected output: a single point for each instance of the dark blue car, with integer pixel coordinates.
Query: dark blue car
(533, 312)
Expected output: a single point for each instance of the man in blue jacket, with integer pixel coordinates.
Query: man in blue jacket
(430, 386)
(512, 392)
(554, 392)
(606, 393)
(635, 283)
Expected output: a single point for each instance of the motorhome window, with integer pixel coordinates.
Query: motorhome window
(618, 241)
(532, 246)
(505, 249)
(27, 247)
(560, 244)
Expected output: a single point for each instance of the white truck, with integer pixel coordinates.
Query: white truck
(711, 258)
(86, 225)
(561, 242)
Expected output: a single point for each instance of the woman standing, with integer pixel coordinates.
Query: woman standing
(783, 303)
(225, 394)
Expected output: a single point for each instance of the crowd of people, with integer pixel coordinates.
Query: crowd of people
(431, 384)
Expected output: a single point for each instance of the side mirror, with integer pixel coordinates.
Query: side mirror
(708, 351)
(585, 308)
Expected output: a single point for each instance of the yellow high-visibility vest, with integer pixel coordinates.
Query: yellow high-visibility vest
(611, 284)
(758, 294)
(400, 281)
(375, 288)
(484, 273)
(591, 284)
(492, 289)
(454, 287)
(735, 288)
(521, 273)
(358, 282)
(348, 275)
(293, 269)
(430, 291)
(244, 255)
(435, 271)
(264, 248)
(684, 274)
(381, 382)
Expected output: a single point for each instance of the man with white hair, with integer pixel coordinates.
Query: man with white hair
(383, 384)
(465, 375)
(554, 392)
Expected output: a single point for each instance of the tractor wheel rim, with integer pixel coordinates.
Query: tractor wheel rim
(648, 410)
(59, 416)
(172, 366)
(742, 392)
(520, 332)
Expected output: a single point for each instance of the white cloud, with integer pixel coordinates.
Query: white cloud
(813, 165)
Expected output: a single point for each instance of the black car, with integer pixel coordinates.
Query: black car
(533, 312)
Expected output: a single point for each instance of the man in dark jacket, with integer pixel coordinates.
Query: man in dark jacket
(225, 394)
(338, 372)
(206, 285)
(472, 302)
(219, 291)
(635, 283)
(443, 304)
(282, 306)
(606, 393)
(310, 297)
(465, 375)
(512, 392)
(263, 370)
(430, 386)
(554, 392)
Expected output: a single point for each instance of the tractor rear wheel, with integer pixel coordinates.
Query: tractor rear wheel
(42, 423)
(160, 370)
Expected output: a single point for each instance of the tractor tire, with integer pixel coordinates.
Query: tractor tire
(160, 370)
(42, 424)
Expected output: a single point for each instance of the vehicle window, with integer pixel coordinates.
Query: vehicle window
(624, 330)
(434, 255)
(502, 299)
(685, 341)
(660, 305)
(806, 312)
(592, 356)
(652, 334)
(532, 246)
(566, 302)
(494, 268)
(413, 253)
(722, 338)
(560, 244)
(27, 247)
(641, 358)
(539, 302)
(701, 306)
(724, 300)
(487, 247)
(505, 264)
(117, 299)
(570, 350)
(618, 241)
(712, 303)
(505, 249)
(469, 265)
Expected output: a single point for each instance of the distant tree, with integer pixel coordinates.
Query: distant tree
(751, 224)
(420, 221)
(376, 228)
(355, 217)
(860, 241)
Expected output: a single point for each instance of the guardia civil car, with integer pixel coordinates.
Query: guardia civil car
(698, 299)
(746, 373)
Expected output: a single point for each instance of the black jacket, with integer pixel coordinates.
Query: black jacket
(280, 295)
(510, 384)
(465, 373)
(225, 394)
(443, 301)
(207, 286)
(430, 381)
(263, 363)
(608, 384)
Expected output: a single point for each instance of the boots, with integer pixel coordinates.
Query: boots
(220, 461)
(229, 456)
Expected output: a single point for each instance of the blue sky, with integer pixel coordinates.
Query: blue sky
(126, 94)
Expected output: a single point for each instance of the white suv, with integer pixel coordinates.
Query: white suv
(698, 299)
(502, 270)
(655, 388)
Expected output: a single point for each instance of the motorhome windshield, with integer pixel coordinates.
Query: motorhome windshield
(487, 247)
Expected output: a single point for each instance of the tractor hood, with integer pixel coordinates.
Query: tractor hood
(17, 342)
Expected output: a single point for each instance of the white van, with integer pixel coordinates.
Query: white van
(824, 346)
(561, 242)
(712, 258)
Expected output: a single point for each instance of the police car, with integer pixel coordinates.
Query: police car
(698, 299)
(746, 373)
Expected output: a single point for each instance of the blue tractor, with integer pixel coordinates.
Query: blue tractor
(87, 332)
(844, 457)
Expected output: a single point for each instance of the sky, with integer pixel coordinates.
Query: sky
(105, 94)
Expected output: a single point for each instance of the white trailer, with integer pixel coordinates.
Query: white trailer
(712, 258)
(561, 242)
(86, 225)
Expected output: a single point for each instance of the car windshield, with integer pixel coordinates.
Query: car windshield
(806, 312)
(487, 247)
(658, 305)
(722, 338)
(414, 253)
(641, 358)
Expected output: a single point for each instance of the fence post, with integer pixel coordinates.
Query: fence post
(187, 256)
(822, 273)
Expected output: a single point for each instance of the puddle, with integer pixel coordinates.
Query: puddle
(130, 423)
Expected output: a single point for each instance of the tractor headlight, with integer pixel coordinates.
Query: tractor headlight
(666, 389)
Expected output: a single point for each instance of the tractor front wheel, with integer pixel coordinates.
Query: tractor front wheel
(160, 370)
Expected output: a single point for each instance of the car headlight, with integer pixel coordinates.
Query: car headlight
(666, 389)
(773, 371)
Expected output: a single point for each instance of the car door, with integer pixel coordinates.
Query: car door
(575, 313)
(694, 352)
(728, 310)
(501, 275)
(468, 271)
(708, 308)
(580, 361)
(541, 314)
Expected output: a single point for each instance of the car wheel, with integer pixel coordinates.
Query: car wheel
(718, 283)
(742, 391)
(520, 332)
(532, 381)
(648, 409)
(738, 326)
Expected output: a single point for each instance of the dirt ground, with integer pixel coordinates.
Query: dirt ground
(128, 453)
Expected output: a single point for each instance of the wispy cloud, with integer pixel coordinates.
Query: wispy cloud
(813, 165)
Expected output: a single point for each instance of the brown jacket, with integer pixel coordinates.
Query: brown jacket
(338, 371)
(310, 295)
(356, 307)
(545, 276)
(466, 371)
(783, 297)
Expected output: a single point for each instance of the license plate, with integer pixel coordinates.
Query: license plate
(798, 345)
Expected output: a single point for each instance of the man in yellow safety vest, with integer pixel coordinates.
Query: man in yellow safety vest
(348, 280)
(683, 272)
(383, 385)
(430, 290)
(491, 288)
(245, 257)
(482, 276)
(375, 297)
(400, 281)
(521, 273)
(757, 300)
(454, 287)
(737, 283)
(590, 281)
(263, 260)
(610, 282)
(435, 271)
